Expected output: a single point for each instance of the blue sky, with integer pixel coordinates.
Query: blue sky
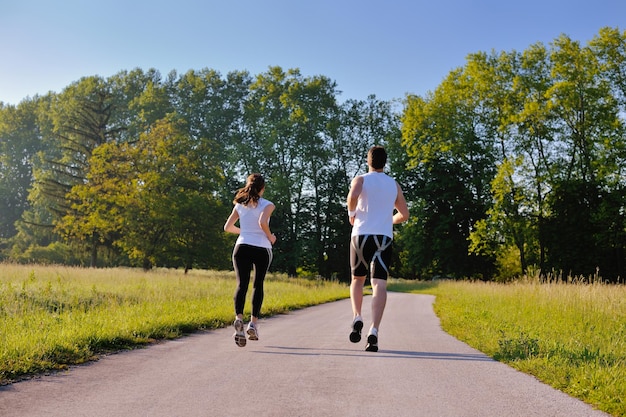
(387, 47)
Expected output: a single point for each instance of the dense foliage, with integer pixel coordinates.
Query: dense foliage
(514, 161)
(519, 159)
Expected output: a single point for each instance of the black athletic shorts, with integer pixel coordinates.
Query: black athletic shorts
(370, 253)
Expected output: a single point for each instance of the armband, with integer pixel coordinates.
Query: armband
(351, 213)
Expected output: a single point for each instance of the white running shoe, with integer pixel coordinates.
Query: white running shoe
(240, 337)
(253, 332)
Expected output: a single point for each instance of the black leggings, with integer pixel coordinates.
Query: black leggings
(245, 257)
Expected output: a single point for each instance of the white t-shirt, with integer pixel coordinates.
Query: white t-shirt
(250, 231)
(375, 206)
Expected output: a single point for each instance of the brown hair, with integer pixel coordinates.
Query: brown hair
(377, 157)
(250, 192)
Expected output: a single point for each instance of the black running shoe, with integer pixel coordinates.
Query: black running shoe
(355, 335)
(372, 343)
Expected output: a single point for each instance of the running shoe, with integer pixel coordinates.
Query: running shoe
(240, 337)
(357, 325)
(372, 341)
(253, 333)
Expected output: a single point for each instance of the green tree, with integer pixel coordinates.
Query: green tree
(609, 47)
(156, 198)
(505, 83)
(20, 141)
(139, 98)
(446, 140)
(213, 107)
(536, 150)
(72, 124)
(508, 224)
(592, 136)
(313, 114)
(288, 119)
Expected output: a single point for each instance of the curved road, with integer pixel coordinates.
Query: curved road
(303, 365)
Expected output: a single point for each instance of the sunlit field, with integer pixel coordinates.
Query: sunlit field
(571, 336)
(54, 316)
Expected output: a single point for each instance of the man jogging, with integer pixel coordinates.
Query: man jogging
(372, 200)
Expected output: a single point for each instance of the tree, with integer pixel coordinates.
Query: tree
(609, 48)
(72, 125)
(453, 159)
(288, 119)
(505, 84)
(313, 114)
(213, 107)
(508, 224)
(20, 141)
(592, 134)
(564, 148)
(157, 197)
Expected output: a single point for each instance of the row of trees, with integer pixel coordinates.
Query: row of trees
(137, 169)
(518, 158)
(514, 161)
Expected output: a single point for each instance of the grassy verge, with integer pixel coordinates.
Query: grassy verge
(52, 317)
(570, 336)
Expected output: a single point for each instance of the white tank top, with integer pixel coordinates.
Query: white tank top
(375, 206)
(250, 231)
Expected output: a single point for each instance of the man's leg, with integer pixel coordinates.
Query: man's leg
(379, 300)
(356, 295)
(359, 264)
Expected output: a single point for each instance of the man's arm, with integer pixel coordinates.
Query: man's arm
(356, 187)
(402, 213)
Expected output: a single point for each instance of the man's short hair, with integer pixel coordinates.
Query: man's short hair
(377, 157)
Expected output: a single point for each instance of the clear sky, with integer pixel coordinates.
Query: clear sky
(387, 47)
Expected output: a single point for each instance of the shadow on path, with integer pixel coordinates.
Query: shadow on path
(395, 354)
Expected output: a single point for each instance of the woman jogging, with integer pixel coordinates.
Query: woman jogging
(253, 249)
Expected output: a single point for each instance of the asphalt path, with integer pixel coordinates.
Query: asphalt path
(303, 365)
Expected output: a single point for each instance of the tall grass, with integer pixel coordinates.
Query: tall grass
(51, 317)
(569, 335)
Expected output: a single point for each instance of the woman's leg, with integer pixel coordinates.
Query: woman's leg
(262, 261)
(242, 262)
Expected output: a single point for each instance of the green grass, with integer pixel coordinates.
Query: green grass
(570, 336)
(52, 317)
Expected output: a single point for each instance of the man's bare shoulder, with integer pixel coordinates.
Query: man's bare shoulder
(357, 180)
